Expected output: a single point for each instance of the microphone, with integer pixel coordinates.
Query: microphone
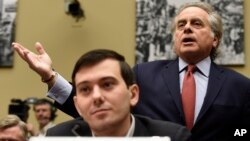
(73, 130)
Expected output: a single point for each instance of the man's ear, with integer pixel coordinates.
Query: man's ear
(76, 105)
(134, 94)
(215, 41)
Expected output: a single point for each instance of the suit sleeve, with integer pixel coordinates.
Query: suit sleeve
(68, 106)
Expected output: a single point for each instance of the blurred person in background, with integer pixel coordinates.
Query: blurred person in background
(12, 128)
(45, 114)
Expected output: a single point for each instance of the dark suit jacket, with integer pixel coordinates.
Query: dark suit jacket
(143, 127)
(226, 105)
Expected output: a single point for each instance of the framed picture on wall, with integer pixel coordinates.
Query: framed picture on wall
(154, 38)
(7, 31)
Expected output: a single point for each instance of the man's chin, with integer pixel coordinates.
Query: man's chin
(100, 126)
(43, 122)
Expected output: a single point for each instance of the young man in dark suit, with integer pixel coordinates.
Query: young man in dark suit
(105, 93)
(221, 96)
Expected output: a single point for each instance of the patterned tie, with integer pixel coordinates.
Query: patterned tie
(188, 96)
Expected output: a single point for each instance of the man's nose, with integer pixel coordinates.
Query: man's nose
(96, 92)
(97, 96)
(188, 28)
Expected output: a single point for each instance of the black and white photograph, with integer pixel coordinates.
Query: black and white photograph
(7, 31)
(154, 38)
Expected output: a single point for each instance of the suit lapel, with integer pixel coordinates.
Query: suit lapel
(171, 79)
(140, 129)
(215, 82)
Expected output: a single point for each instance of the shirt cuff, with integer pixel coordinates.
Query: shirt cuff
(61, 90)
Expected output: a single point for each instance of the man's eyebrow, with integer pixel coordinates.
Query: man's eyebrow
(102, 79)
(196, 19)
(83, 82)
(181, 20)
(108, 78)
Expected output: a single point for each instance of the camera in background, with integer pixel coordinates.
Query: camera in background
(21, 107)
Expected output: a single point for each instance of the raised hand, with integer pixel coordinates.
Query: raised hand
(40, 62)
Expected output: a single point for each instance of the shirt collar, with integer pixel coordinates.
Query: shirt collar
(45, 128)
(132, 127)
(203, 66)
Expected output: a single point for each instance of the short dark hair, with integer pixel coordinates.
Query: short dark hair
(53, 109)
(95, 56)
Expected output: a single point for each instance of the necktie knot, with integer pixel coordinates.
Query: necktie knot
(191, 68)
